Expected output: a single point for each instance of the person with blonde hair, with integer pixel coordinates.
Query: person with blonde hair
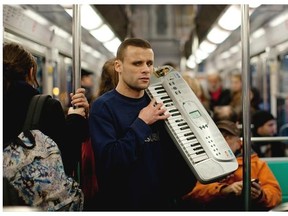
(197, 88)
(109, 77)
(218, 95)
(236, 92)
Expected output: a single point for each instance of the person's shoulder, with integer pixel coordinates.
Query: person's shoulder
(106, 96)
(104, 99)
(52, 106)
(257, 160)
(52, 102)
(226, 91)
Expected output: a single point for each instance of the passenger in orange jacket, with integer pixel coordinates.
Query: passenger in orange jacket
(226, 195)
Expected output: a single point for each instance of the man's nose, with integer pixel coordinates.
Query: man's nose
(146, 69)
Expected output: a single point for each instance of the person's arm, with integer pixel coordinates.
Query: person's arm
(76, 123)
(52, 122)
(206, 192)
(76, 130)
(67, 132)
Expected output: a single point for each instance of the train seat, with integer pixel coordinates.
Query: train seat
(279, 167)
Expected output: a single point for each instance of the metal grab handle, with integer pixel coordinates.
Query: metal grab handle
(270, 139)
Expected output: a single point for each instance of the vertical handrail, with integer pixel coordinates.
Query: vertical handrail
(76, 33)
(246, 106)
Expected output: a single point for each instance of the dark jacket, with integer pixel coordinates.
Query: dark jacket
(268, 148)
(68, 132)
(224, 99)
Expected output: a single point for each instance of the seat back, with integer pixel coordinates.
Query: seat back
(279, 167)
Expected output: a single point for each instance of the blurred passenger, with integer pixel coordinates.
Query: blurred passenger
(226, 112)
(197, 88)
(89, 182)
(219, 96)
(109, 77)
(255, 103)
(255, 99)
(226, 194)
(20, 85)
(236, 92)
(236, 96)
(87, 82)
(265, 125)
(138, 165)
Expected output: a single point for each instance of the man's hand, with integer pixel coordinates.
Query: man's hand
(234, 188)
(79, 100)
(153, 112)
(256, 190)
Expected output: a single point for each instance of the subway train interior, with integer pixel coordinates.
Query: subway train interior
(196, 39)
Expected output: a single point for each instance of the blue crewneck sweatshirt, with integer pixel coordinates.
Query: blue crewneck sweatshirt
(131, 157)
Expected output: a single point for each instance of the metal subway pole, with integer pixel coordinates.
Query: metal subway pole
(245, 31)
(76, 33)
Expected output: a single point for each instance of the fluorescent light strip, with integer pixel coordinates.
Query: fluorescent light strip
(217, 35)
(279, 19)
(103, 34)
(231, 19)
(91, 21)
(258, 33)
(89, 17)
(207, 46)
(113, 45)
(35, 16)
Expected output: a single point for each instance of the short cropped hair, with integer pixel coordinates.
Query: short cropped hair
(136, 42)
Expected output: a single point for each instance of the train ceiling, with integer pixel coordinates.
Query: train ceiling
(186, 20)
(169, 28)
(182, 21)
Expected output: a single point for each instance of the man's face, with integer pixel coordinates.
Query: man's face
(136, 68)
(233, 141)
(268, 129)
(236, 84)
(87, 81)
(214, 82)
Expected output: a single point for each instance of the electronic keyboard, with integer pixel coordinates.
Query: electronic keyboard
(191, 128)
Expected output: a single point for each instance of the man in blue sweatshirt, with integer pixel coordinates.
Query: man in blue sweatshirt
(138, 166)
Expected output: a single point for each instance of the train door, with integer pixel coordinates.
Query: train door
(282, 96)
(65, 80)
(40, 60)
(270, 75)
(57, 76)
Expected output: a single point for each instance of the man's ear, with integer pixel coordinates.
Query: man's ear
(240, 143)
(117, 65)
